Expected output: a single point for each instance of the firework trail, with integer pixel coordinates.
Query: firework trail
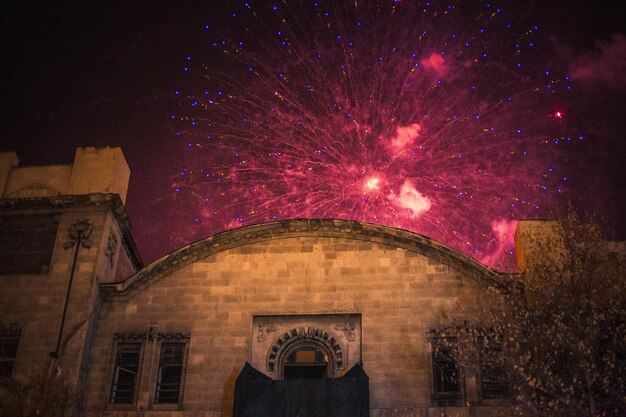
(439, 118)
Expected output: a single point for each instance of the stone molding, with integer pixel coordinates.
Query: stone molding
(64, 202)
(173, 337)
(303, 334)
(34, 187)
(345, 229)
(130, 337)
(135, 337)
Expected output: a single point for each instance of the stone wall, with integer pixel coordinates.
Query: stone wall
(94, 170)
(399, 293)
(42, 273)
(32, 301)
(99, 170)
(38, 181)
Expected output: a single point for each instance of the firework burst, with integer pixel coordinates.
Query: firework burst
(438, 118)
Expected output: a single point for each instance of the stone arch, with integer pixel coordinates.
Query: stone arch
(284, 229)
(300, 337)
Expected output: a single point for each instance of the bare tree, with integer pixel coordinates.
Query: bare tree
(554, 336)
(46, 394)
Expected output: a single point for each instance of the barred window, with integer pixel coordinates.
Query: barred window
(446, 374)
(8, 352)
(170, 375)
(124, 386)
(26, 243)
(493, 378)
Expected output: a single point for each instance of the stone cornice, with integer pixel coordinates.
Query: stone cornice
(65, 203)
(346, 229)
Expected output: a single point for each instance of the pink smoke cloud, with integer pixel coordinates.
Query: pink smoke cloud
(405, 135)
(412, 199)
(501, 255)
(436, 63)
(605, 65)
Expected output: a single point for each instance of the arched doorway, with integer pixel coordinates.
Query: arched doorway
(305, 353)
(306, 361)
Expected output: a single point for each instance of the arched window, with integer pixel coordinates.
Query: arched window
(306, 361)
(305, 353)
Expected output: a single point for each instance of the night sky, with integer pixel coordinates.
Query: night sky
(106, 74)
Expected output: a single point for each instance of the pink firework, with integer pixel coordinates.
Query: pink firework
(436, 118)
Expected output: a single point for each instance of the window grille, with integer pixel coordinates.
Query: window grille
(8, 352)
(446, 373)
(493, 378)
(125, 373)
(170, 373)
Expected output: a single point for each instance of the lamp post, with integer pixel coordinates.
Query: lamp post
(78, 233)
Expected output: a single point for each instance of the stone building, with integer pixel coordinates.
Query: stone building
(296, 299)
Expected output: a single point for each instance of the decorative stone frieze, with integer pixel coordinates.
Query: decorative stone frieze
(173, 337)
(111, 248)
(265, 330)
(274, 337)
(301, 334)
(135, 337)
(347, 328)
(130, 337)
(80, 229)
(34, 190)
(63, 202)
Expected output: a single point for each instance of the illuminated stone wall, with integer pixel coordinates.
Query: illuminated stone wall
(38, 206)
(400, 284)
(94, 170)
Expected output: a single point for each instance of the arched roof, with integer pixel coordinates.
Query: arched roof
(284, 229)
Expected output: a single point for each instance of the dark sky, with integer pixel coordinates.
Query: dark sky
(103, 73)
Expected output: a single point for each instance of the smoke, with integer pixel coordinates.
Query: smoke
(405, 135)
(504, 230)
(412, 199)
(605, 65)
(501, 255)
(601, 80)
(435, 63)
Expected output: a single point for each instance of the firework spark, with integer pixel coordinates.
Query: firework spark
(436, 118)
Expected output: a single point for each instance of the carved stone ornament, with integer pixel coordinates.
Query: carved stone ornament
(135, 337)
(303, 334)
(347, 328)
(111, 247)
(173, 337)
(264, 330)
(35, 189)
(79, 230)
(130, 337)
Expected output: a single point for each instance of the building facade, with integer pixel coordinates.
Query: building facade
(296, 299)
